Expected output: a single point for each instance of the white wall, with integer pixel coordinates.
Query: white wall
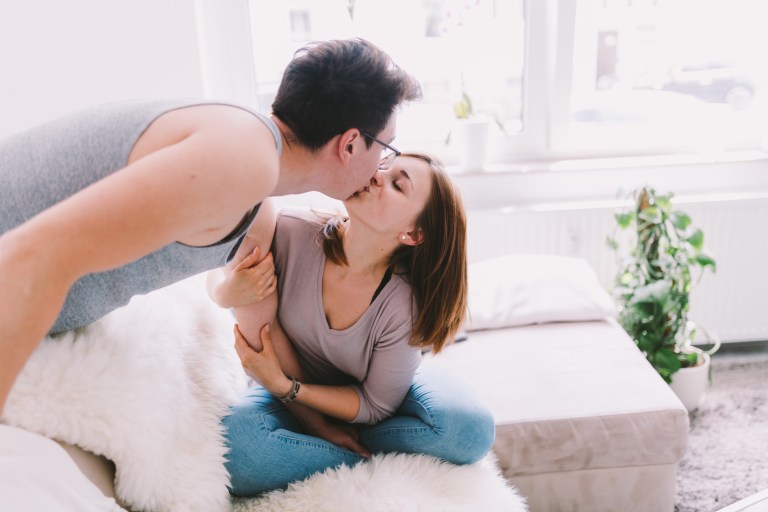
(57, 56)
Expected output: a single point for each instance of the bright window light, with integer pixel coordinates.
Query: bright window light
(684, 75)
(564, 80)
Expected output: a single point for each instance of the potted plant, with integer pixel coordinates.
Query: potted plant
(664, 262)
(472, 134)
(472, 127)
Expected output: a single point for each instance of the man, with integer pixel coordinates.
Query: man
(126, 198)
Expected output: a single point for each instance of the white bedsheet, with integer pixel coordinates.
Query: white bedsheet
(36, 474)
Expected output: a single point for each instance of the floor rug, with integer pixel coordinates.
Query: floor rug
(727, 456)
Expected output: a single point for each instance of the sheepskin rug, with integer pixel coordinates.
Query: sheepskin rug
(395, 483)
(146, 387)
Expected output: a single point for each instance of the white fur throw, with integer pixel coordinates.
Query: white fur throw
(396, 483)
(146, 387)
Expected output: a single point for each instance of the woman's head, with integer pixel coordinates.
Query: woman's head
(416, 204)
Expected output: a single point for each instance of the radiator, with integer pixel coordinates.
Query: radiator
(733, 303)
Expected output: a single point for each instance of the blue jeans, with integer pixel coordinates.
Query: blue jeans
(440, 416)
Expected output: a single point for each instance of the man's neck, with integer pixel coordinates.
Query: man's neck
(301, 170)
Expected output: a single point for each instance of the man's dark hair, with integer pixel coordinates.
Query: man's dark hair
(332, 86)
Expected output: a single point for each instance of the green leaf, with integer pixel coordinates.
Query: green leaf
(696, 239)
(461, 110)
(647, 344)
(463, 107)
(624, 219)
(705, 260)
(681, 220)
(666, 359)
(688, 360)
(627, 278)
(664, 202)
(651, 214)
(612, 243)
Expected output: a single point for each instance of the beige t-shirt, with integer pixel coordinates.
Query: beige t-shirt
(373, 355)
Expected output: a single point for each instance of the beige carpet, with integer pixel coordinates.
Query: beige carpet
(727, 457)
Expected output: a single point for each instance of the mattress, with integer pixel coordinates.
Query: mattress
(570, 396)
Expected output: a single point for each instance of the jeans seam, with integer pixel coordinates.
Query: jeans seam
(428, 412)
(289, 439)
(408, 430)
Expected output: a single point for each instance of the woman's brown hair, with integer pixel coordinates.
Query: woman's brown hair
(436, 268)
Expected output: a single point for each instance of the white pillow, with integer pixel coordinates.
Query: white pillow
(522, 289)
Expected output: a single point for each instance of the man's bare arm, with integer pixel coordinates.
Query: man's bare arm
(192, 191)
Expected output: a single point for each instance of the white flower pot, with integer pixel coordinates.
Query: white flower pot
(472, 135)
(689, 383)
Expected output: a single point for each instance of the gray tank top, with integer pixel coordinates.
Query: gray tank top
(44, 165)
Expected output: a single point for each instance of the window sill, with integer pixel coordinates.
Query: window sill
(599, 179)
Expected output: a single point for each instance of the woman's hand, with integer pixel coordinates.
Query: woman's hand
(344, 435)
(250, 280)
(263, 365)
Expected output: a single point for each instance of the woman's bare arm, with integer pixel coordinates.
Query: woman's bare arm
(341, 402)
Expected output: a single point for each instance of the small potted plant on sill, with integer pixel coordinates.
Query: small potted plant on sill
(653, 288)
(472, 133)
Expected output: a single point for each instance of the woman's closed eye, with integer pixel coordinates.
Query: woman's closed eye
(397, 187)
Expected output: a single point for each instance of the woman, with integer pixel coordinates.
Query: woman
(359, 307)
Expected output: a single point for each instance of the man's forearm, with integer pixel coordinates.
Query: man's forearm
(31, 296)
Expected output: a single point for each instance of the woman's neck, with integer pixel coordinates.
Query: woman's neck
(367, 253)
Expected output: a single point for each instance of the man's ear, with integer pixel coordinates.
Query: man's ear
(346, 144)
(414, 237)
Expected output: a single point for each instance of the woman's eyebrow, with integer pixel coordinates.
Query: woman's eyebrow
(403, 173)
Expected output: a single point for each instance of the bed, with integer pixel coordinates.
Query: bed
(583, 422)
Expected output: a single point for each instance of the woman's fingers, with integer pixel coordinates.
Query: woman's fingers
(244, 347)
(347, 439)
(352, 445)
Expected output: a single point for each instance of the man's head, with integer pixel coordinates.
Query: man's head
(332, 86)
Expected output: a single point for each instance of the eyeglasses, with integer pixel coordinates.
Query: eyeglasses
(388, 153)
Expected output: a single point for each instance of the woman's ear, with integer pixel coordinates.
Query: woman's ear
(414, 237)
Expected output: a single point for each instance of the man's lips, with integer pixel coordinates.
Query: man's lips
(364, 189)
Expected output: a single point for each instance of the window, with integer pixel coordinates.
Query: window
(453, 47)
(564, 79)
(668, 75)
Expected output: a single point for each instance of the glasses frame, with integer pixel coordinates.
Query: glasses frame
(386, 161)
